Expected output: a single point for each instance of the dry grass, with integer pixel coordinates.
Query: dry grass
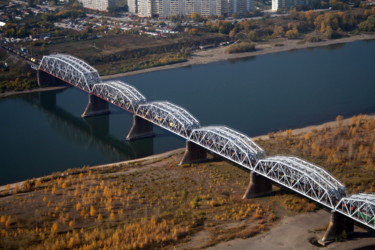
(156, 203)
(347, 150)
(146, 205)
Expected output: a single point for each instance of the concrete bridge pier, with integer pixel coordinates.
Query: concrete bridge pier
(45, 79)
(95, 107)
(340, 226)
(141, 129)
(258, 186)
(193, 154)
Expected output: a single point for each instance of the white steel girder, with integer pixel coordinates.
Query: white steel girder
(360, 207)
(120, 94)
(169, 116)
(303, 177)
(71, 70)
(228, 143)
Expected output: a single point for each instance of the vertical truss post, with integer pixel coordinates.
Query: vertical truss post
(193, 154)
(141, 129)
(95, 107)
(258, 186)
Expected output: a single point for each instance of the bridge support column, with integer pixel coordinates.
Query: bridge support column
(45, 79)
(258, 186)
(193, 154)
(141, 129)
(95, 107)
(339, 226)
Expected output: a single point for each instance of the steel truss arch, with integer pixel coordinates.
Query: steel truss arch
(71, 70)
(360, 207)
(228, 143)
(303, 177)
(169, 116)
(120, 94)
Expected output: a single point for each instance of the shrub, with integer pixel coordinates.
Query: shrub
(240, 47)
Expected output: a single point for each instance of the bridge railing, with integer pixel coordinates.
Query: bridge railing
(71, 70)
(228, 143)
(169, 116)
(120, 94)
(302, 177)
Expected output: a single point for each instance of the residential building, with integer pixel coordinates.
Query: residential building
(101, 5)
(288, 4)
(168, 8)
(133, 6)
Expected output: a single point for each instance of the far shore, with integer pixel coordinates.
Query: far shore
(218, 54)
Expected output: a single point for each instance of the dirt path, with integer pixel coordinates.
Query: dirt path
(218, 54)
(295, 232)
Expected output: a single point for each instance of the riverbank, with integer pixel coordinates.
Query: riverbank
(174, 206)
(218, 54)
(273, 46)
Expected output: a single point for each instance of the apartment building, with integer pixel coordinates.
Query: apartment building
(101, 5)
(167, 8)
(288, 4)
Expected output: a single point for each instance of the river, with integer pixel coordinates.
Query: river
(43, 133)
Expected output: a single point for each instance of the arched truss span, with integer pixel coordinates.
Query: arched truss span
(71, 70)
(228, 143)
(120, 94)
(170, 117)
(303, 177)
(360, 207)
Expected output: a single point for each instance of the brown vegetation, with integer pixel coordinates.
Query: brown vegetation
(155, 203)
(131, 206)
(346, 150)
(240, 47)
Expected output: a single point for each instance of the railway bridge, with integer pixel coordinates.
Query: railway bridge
(304, 178)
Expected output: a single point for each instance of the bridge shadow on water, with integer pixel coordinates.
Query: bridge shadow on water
(89, 132)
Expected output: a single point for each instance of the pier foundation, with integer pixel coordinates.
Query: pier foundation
(141, 129)
(258, 186)
(95, 107)
(193, 154)
(340, 226)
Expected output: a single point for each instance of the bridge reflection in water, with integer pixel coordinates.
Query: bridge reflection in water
(296, 174)
(88, 132)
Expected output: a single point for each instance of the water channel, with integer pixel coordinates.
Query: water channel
(43, 133)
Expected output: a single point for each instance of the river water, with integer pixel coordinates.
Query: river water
(43, 133)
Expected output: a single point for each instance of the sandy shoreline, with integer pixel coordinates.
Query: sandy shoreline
(218, 54)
